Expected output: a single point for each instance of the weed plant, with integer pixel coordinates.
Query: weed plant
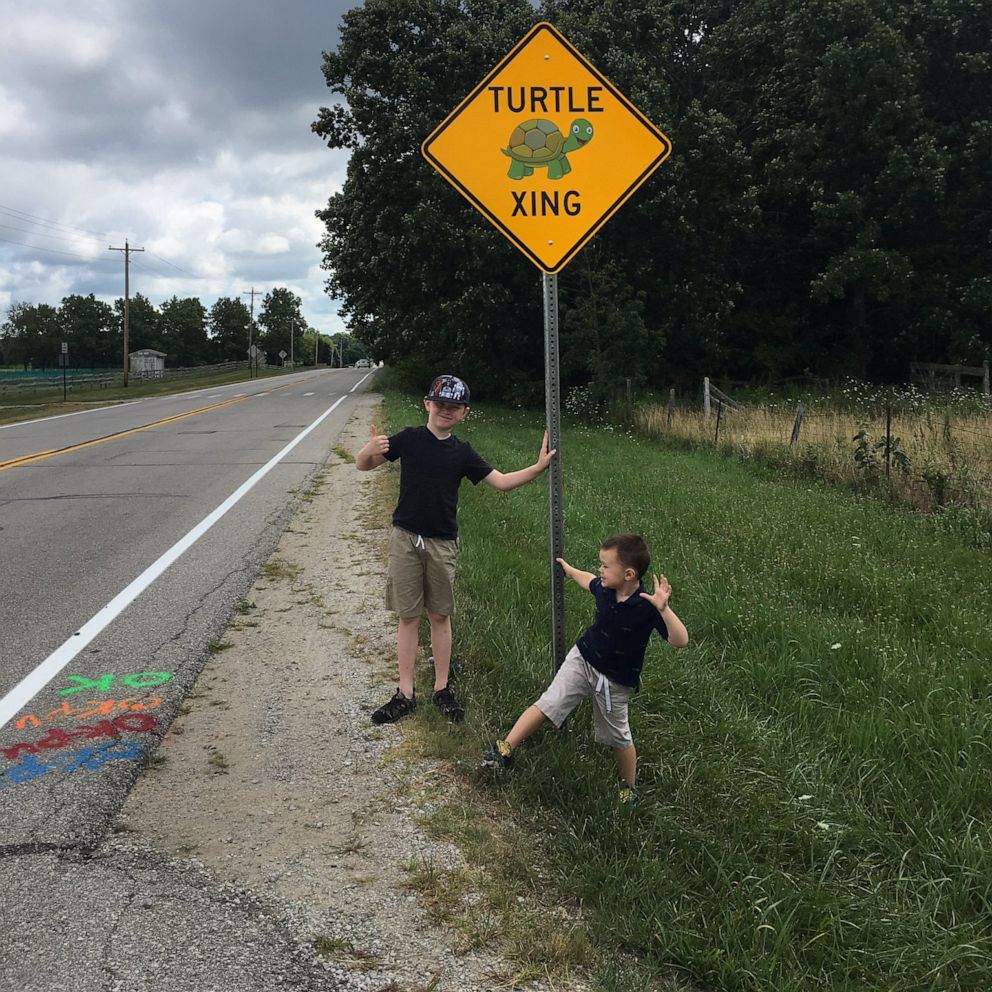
(814, 767)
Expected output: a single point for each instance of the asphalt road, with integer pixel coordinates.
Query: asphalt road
(128, 535)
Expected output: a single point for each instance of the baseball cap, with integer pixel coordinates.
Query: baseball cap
(448, 389)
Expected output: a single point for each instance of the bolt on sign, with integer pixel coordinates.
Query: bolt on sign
(547, 148)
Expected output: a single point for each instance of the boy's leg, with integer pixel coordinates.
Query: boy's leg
(404, 701)
(610, 705)
(443, 698)
(569, 686)
(531, 720)
(406, 652)
(441, 647)
(626, 759)
(500, 754)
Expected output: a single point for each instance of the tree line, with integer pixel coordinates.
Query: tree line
(826, 211)
(183, 329)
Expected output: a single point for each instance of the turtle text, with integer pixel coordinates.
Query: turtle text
(547, 99)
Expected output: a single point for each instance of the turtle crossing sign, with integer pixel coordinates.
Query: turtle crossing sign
(546, 148)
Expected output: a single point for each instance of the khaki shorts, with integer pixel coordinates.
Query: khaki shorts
(577, 679)
(421, 573)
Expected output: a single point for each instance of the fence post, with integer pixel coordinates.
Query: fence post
(985, 377)
(719, 411)
(794, 440)
(671, 407)
(706, 397)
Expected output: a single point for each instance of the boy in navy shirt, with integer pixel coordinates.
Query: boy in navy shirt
(423, 544)
(607, 659)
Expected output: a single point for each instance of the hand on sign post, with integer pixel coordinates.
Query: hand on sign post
(544, 458)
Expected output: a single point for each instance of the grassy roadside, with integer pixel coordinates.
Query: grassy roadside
(49, 404)
(814, 766)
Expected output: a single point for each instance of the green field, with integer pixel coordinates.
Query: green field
(35, 403)
(815, 768)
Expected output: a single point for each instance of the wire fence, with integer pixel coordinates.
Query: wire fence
(920, 452)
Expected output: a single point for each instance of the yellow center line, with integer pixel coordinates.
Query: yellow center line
(41, 455)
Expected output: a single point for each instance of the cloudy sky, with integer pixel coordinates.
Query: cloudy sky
(182, 126)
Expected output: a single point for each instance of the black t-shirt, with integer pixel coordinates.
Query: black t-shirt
(616, 641)
(431, 471)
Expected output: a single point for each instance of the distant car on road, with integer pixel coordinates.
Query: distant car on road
(362, 363)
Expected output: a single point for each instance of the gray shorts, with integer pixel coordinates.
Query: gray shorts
(575, 680)
(421, 573)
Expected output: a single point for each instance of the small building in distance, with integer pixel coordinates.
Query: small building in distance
(146, 363)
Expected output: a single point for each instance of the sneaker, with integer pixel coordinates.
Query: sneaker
(397, 708)
(447, 705)
(628, 797)
(500, 755)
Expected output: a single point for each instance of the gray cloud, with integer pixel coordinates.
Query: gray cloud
(182, 126)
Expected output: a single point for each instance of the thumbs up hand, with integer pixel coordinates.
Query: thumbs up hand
(373, 452)
(379, 442)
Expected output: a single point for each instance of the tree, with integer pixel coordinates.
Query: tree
(184, 332)
(142, 323)
(92, 331)
(228, 324)
(30, 335)
(853, 266)
(825, 211)
(280, 316)
(424, 280)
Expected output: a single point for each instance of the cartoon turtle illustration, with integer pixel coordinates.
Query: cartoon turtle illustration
(539, 143)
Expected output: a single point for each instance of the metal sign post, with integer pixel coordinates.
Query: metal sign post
(556, 516)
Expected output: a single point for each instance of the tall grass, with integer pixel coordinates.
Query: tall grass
(936, 459)
(815, 766)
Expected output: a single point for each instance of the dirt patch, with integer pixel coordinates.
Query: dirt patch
(276, 780)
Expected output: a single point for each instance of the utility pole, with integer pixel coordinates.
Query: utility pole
(316, 341)
(251, 323)
(292, 334)
(127, 249)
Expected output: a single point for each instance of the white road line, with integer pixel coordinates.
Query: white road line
(32, 684)
(60, 416)
(309, 394)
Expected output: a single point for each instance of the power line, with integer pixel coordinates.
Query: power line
(52, 251)
(167, 262)
(50, 223)
(25, 217)
(50, 237)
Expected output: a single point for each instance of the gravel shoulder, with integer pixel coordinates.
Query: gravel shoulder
(274, 780)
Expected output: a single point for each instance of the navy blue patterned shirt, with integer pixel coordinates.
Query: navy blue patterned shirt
(616, 641)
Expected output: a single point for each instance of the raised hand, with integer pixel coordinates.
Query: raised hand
(378, 444)
(662, 593)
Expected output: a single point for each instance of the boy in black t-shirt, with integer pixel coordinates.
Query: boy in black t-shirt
(423, 544)
(607, 659)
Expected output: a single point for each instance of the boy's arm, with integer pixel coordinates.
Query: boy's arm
(505, 481)
(374, 452)
(678, 636)
(576, 574)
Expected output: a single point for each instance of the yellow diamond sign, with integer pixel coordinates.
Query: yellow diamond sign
(547, 148)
